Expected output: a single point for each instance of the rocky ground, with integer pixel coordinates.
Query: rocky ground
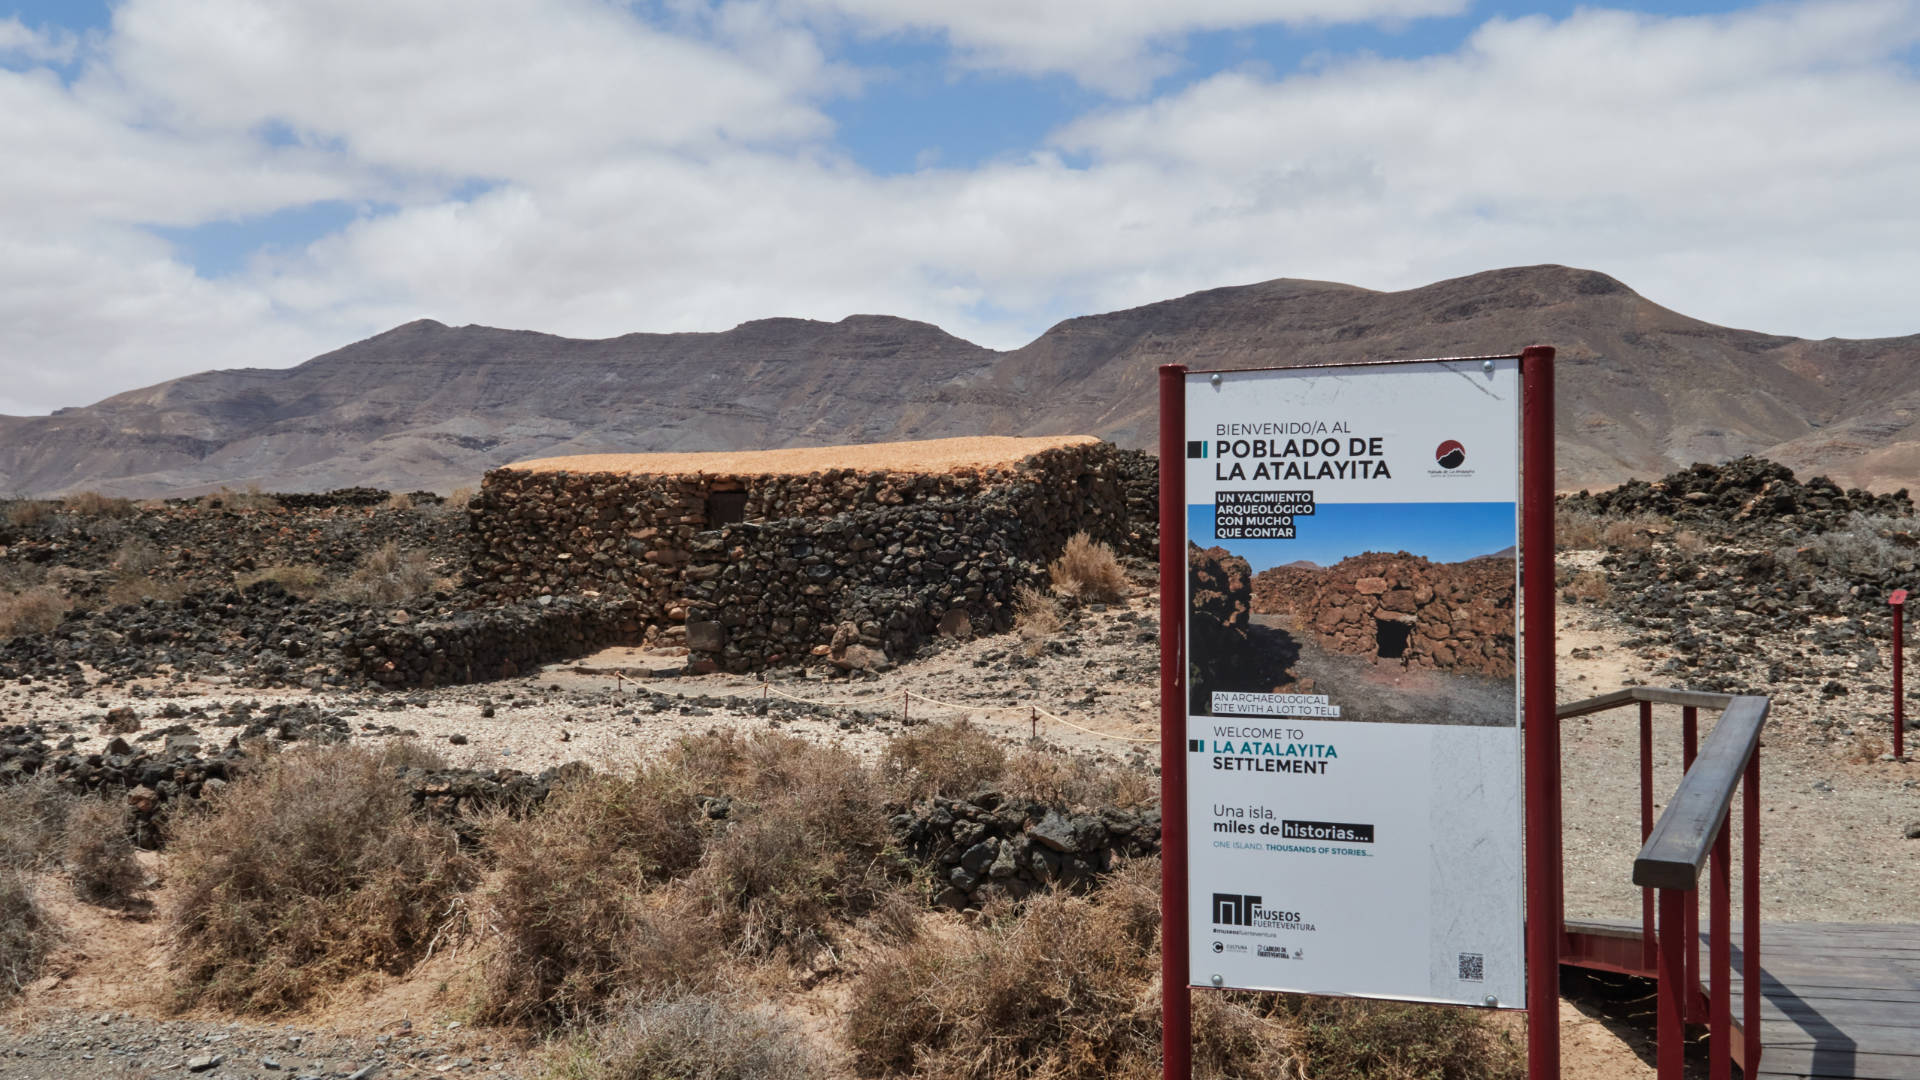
(1762, 584)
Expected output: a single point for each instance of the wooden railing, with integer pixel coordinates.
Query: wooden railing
(1693, 832)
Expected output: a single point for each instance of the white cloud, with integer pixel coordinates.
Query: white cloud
(45, 46)
(1115, 45)
(1754, 169)
(489, 88)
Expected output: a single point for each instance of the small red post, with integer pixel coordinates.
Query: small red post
(1750, 913)
(1671, 1030)
(1899, 602)
(1541, 725)
(1690, 739)
(905, 697)
(1720, 957)
(1176, 1000)
(1033, 722)
(1649, 952)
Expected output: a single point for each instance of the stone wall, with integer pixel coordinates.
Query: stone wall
(1448, 616)
(495, 643)
(990, 846)
(817, 562)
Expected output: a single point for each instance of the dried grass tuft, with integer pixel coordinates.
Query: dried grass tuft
(388, 575)
(944, 758)
(692, 1037)
(37, 610)
(99, 854)
(25, 934)
(1036, 618)
(1089, 570)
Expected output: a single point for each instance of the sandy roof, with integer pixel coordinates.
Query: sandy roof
(928, 456)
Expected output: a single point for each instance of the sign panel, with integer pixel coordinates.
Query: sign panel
(1353, 743)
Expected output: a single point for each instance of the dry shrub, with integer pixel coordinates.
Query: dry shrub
(399, 500)
(303, 873)
(388, 575)
(33, 821)
(408, 754)
(1055, 777)
(1867, 748)
(569, 913)
(807, 847)
(1089, 570)
(1688, 542)
(137, 558)
(31, 513)
(945, 758)
(251, 499)
(693, 1037)
(1576, 529)
(1635, 533)
(302, 581)
(1589, 585)
(32, 611)
(459, 497)
(1866, 546)
(25, 934)
(99, 854)
(92, 504)
(1062, 989)
(1036, 618)
(136, 590)
(1346, 1039)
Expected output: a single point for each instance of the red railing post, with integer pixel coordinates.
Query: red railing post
(1671, 1030)
(1541, 723)
(1899, 602)
(1720, 957)
(1648, 950)
(1690, 740)
(1176, 1000)
(1750, 913)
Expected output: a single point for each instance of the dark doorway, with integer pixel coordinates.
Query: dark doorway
(1391, 635)
(725, 508)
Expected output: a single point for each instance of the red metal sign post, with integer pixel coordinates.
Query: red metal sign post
(1176, 1000)
(1899, 602)
(1542, 725)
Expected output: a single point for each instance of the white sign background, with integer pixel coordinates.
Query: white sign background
(1437, 896)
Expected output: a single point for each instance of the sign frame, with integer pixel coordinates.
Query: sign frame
(1540, 735)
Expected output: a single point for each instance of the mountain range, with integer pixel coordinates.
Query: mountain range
(1641, 389)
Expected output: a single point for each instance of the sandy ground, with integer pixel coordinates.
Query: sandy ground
(1832, 824)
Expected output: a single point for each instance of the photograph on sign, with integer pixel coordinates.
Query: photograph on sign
(1353, 731)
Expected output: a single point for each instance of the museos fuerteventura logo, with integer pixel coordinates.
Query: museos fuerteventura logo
(1450, 454)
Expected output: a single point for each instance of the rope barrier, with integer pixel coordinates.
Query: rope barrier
(767, 687)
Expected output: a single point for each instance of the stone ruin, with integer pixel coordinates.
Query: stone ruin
(849, 554)
(1454, 617)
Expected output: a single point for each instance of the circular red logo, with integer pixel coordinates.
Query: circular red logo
(1450, 455)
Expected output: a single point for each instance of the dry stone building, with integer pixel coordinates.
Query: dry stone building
(856, 553)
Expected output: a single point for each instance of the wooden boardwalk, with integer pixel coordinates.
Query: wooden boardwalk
(1842, 1000)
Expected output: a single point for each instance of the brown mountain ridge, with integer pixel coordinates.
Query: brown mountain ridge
(1642, 389)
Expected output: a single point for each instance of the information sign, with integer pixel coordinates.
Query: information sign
(1353, 765)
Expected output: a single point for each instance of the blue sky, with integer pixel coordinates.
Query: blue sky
(1442, 532)
(216, 183)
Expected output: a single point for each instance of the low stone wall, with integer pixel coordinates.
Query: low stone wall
(990, 846)
(494, 643)
(1447, 616)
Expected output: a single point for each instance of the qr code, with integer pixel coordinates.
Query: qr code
(1473, 967)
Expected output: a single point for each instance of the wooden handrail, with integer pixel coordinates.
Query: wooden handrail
(1672, 856)
(1681, 840)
